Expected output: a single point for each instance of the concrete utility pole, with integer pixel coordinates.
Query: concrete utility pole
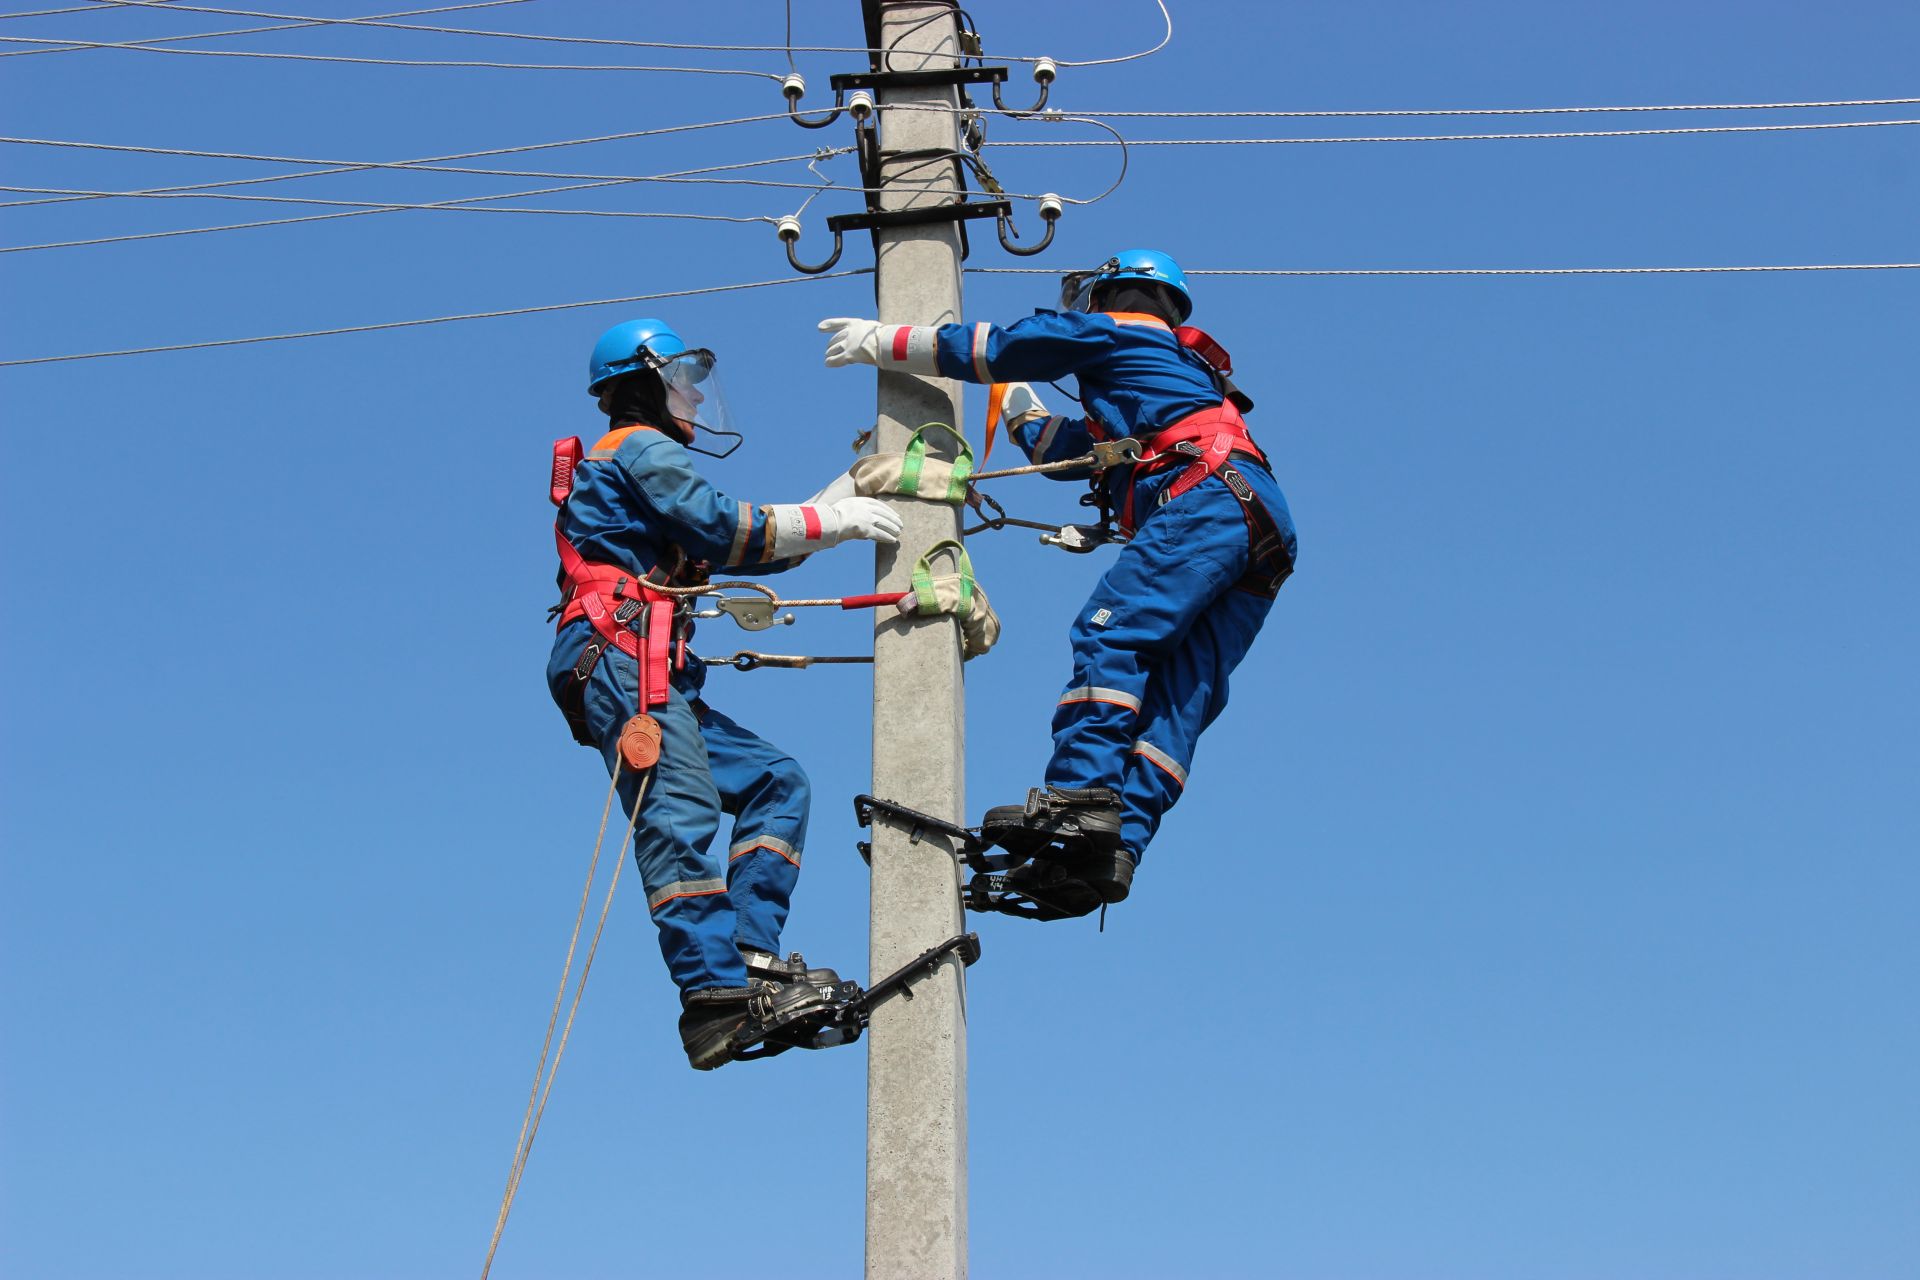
(917, 1059)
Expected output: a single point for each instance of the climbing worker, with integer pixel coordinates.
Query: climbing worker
(1209, 541)
(635, 516)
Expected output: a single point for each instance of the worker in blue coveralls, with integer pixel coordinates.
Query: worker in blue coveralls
(1210, 540)
(636, 515)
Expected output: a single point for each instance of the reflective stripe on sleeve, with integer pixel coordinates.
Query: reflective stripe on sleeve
(773, 844)
(1047, 434)
(1155, 756)
(683, 889)
(980, 332)
(742, 529)
(1095, 693)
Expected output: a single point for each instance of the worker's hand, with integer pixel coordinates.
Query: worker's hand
(854, 341)
(1021, 405)
(867, 518)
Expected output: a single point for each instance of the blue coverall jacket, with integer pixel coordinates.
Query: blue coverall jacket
(1166, 625)
(632, 504)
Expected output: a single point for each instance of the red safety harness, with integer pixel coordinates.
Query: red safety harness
(626, 612)
(1206, 442)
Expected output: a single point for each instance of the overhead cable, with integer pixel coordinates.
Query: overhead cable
(442, 205)
(1459, 137)
(382, 20)
(1487, 111)
(357, 166)
(1491, 271)
(291, 25)
(408, 324)
(385, 62)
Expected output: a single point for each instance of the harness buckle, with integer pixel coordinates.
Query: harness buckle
(1116, 453)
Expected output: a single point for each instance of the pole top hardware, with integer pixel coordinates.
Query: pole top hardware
(935, 77)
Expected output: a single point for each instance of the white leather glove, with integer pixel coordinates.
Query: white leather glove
(910, 347)
(1021, 405)
(867, 518)
(841, 486)
(802, 528)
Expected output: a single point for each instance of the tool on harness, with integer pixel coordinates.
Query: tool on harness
(1077, 538)
(747, 660)
(753, 613)
(640, 743)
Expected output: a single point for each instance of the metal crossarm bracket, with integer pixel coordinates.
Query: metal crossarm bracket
(882, 80)
(953, 211)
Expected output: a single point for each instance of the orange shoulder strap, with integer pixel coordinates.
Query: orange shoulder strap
(607, 444)
(1137, 317)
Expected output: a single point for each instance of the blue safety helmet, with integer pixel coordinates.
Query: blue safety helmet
(1076, 287)
(636, 344)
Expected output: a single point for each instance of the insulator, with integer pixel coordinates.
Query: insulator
(794, 86)
(788, 228)
(1051, 206)
(860, 105)
(1044, 70)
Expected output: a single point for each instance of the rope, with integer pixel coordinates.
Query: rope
(1496, 271)
(530, 1124)
(748, 660)
(408, 324)
(372, 62)
(1466, 137)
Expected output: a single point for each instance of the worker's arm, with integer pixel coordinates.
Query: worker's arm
(1045, 346)
(737, 536)
(1042, 436)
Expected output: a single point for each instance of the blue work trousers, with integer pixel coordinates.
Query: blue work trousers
(707, 905)
(1154, 645)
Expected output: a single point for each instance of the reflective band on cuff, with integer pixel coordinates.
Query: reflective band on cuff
(980, 332)
(1155, 755)
(913, 347)
(742, 529)
(772, 844)
(1046, 438)
(1094, 693)
(683, 889)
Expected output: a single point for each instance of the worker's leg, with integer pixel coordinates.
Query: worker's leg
(1187, 692)
(1182, 558)
(686, 885)
(766, 792)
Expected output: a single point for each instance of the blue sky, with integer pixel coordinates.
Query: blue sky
(1542, 907)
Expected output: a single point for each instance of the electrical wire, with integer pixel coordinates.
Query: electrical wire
(356, 166)
(1493, 271)
(1489, 111)
(1463, 137)
(386, 62)
(408, 324)
(1129, 57)
(459, 205)
(246, 31)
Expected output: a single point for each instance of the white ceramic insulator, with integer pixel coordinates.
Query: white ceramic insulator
(788, 228)
(860, 105)
(1044, 70)
(1051, 206)
(794, 86)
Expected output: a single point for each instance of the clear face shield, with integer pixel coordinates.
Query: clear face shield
(1076, 287)
(697, 401)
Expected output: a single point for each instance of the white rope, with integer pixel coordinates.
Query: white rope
(1463, 137)
(408, 324)
(379, 62)
(1493, 271)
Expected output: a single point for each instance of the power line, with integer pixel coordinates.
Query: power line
(461, 204)
(296, 21)
(390, 205)
(243, 31)
(1460, 137)
(1485, 111)
(408, 324)
(1492, 271)
(357, 166)
(382, 62)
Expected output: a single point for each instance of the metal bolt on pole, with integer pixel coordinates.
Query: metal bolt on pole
(917, 1059)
